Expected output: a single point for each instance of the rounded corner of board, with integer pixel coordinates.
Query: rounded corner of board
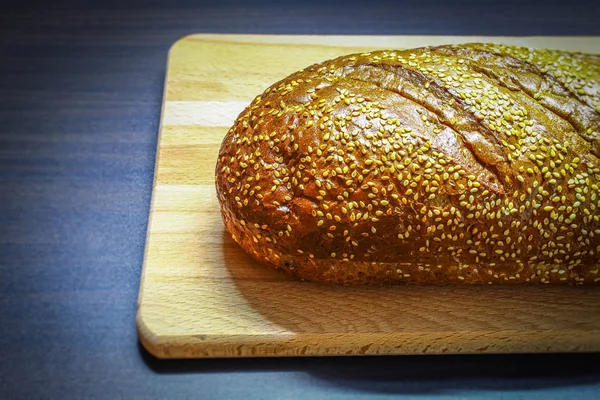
(178, 43)
(147, 336)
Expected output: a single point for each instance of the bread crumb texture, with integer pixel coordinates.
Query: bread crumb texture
(473, 163)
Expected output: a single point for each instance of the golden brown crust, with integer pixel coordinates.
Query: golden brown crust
(467, 163)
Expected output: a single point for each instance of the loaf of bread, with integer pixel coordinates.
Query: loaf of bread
(475, 163)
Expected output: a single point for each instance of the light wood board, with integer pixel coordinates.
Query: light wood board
(202, 296)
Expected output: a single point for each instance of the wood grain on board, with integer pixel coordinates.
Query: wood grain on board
(202, 296)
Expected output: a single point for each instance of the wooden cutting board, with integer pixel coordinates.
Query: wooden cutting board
(202, 296)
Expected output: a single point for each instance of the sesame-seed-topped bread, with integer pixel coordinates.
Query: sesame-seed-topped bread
(474, 163)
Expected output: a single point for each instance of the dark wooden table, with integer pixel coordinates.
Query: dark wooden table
(80, 95)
